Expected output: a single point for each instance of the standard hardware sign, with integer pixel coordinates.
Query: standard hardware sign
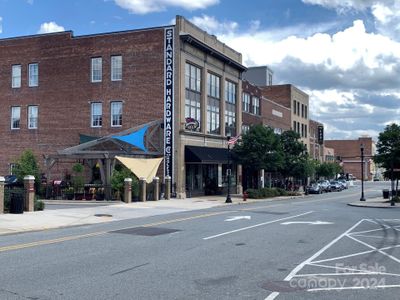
(169, 102)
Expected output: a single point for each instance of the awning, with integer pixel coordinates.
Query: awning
(142, 167)
(206, 155)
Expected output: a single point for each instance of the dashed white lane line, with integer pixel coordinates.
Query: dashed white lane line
(254, 226)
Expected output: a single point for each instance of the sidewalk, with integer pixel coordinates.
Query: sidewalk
(374, 203)
(100, 212)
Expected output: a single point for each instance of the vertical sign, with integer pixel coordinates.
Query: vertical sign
(320, 135)
(169, 102)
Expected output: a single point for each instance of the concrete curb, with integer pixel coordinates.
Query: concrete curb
(373, 205)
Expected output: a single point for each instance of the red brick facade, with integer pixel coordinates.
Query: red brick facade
(65, 90)
(349, 155)
(271, 113)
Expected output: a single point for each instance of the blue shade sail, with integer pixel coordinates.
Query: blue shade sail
(135, 138)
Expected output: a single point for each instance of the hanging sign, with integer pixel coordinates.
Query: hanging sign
(169, 102)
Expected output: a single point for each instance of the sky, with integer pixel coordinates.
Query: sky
(345, 54)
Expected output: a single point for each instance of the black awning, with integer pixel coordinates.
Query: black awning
(205, 155)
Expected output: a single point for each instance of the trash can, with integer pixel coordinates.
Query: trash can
(385, 194)
(16, 203)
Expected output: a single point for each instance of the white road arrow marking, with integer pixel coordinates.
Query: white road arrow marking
(309, 223)
(237, 218)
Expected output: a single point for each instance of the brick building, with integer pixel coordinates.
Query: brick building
(317, 141)
(57, 88)
(348, 154)
(297, 101)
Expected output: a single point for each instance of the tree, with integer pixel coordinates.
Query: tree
(388, 151)
(295, 155)
(27, 165)
(328, 169)
(260, 148)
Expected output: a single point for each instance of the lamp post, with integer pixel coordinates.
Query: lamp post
(392, 182)
(228, 171)
(362, 172)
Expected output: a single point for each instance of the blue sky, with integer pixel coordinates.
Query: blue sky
(344, 53)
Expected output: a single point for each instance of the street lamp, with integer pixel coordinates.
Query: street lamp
(228, 171)
(362, 172)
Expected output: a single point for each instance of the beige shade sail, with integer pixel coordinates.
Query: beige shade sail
(142, 167)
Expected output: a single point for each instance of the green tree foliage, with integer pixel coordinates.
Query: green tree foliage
(260, 149)
(328, 170)
(295, 155)
(78, 181)
(27, 165)
(117, 180)
(388, 152)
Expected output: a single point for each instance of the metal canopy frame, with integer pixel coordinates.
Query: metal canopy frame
(104, 149)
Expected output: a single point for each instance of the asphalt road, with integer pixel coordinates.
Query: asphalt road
(314, 247)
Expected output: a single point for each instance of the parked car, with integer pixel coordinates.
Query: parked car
(315, 188)
(326, 187)
(336, 186)
(344, 182)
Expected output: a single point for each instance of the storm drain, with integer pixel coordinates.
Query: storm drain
(145, 231)
(103, 215)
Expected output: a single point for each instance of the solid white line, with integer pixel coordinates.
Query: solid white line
(354, 288)
(354, 254)
(339, 268)
(366, 231)
(257, 225)
(310, 259)
(272, 296)
(372, 247)
(345, 274)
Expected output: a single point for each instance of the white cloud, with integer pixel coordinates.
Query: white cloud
(1, 25)
(210, 24)
(29, 2)
(352, 76)
(386, 13)
(49, 27)
(149, 6)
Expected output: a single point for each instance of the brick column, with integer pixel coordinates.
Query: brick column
(167, 195)
(128, 190)
(2, 194)
(156, 189)
(142, 189)
(29, 185)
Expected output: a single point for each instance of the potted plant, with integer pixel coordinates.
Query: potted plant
(90, 193)
(99, 194)
(78, 181)
(69, 193)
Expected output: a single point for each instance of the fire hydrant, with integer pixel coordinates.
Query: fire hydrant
(245, 196)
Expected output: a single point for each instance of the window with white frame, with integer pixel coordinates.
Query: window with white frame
(230, 108)
(33, 71)
(96, 69)
(116, 67)
(246, 102)
(33, 117)
(256, 105)
(16, 76)
(213, 105)
(15, 117)
(245, 128)
(116, 113)
(96, 114)
(13, 167)
(192, 97)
